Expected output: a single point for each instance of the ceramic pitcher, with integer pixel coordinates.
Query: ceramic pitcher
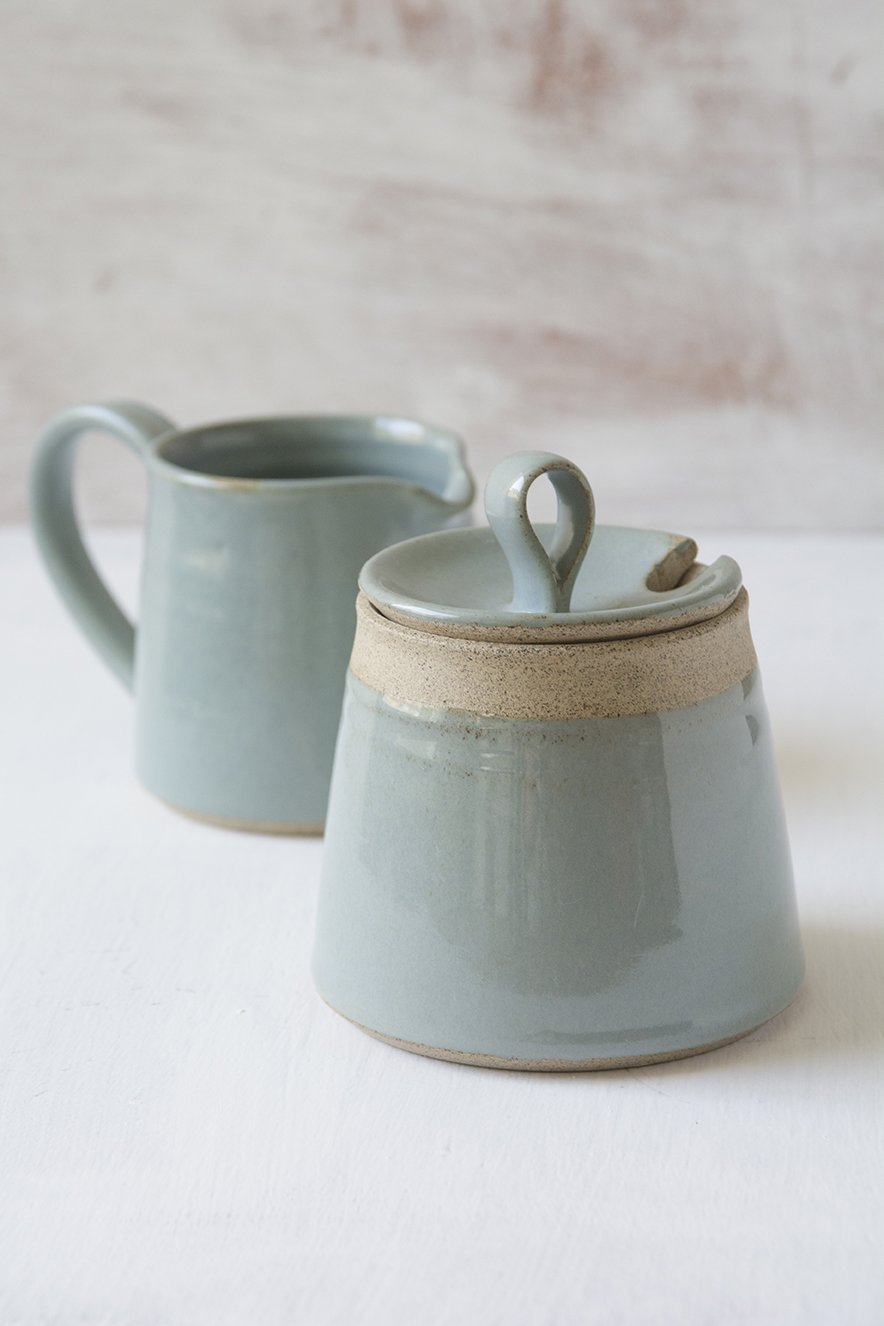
(256, 531)
(555, 836)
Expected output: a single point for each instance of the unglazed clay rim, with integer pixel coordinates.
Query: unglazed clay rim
(552, 680)
(579, 630)
(596, 1065)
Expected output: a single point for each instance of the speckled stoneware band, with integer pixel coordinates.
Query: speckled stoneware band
(594, 679)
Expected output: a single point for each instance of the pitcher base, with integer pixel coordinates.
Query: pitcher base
(247, 826)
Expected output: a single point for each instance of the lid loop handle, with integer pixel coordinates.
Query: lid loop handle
(542, 581)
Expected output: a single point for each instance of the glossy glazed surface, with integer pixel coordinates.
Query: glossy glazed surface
(256, 532)
(599, 889)
(542, 575)
(571, 581)
(630, 582)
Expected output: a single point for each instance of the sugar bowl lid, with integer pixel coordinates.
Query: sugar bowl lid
(574, 580)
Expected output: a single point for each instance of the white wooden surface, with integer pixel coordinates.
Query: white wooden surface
(188, 1137)
(647, 234)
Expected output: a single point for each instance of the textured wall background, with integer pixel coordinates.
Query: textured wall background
(644, 232)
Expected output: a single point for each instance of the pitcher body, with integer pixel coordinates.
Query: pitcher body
(255, 534)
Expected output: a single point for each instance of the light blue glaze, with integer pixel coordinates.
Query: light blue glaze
(461, 579)
(593, 889)
(543, 578)
(256, 532)
(579, 578)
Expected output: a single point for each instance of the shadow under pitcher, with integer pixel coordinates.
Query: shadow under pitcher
(256, 532)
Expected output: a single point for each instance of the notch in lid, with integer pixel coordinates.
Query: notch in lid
(574, 580)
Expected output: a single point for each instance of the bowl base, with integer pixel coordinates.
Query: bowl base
(553, 1065)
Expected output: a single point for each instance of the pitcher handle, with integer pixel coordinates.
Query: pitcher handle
(57, 529)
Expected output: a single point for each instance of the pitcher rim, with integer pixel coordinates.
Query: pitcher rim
(458, 493)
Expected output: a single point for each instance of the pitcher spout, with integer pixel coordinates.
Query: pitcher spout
(433, 460)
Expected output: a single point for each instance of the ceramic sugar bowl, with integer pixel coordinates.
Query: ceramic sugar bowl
(555, 837)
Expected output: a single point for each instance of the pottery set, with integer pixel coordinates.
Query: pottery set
(554, 837)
